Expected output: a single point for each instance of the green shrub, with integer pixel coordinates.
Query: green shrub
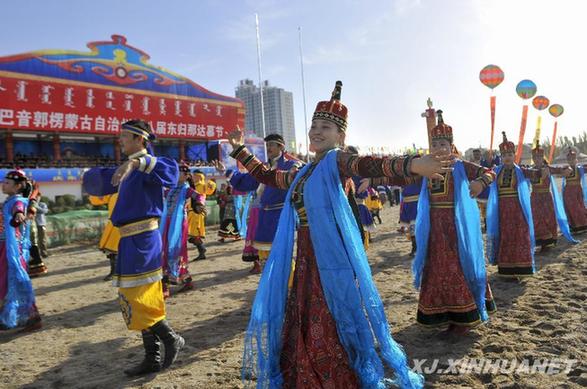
(69, 200)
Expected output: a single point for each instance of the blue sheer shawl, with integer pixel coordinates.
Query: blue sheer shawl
(175, 230)
(346, 280)
(523, 187)
(242, 205)
(20, 296)
(561, 215)
(470, 240)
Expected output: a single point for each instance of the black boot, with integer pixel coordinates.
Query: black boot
(413, 252)
(172, 341)
(152, 361)
(112, 259)
(201, 251)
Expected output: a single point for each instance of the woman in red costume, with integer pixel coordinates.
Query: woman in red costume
(575, 194)
(511, 234)
(449, 266)
(316, 335)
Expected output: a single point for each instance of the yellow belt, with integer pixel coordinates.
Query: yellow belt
(541, 190)
(273, 207)
(442, 204)
(138, 227)
(411, 199)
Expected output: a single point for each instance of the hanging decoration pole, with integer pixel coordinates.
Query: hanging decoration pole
(304, 95)
(492, 108)
(260, 81)
(555, 110)
(552, 143)
(520, 147)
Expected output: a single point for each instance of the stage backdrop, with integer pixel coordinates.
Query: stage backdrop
(94, 92)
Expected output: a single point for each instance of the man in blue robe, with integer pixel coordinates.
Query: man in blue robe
(139, 182)
(271, 198)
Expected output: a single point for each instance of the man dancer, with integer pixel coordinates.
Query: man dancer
(140, 182)
(271, 198)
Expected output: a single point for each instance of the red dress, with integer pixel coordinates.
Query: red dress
(545, 223)
(444, 294)
(514, 256)
(574, 203)
(312, 355)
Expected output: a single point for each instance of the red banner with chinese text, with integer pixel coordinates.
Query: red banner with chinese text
(44, 104)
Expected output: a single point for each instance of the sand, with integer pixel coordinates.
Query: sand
(84, 342)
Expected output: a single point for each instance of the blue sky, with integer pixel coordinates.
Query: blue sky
(390, 54)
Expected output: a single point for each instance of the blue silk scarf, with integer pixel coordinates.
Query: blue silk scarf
(241, 212)
(345, 275)
(561, 215)
(173, 210)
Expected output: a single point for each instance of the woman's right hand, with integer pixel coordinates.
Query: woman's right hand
(236, 138)
(432, 166)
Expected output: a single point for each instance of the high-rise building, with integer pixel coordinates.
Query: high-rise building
(278, 105)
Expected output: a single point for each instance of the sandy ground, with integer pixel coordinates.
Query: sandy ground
(84, 342)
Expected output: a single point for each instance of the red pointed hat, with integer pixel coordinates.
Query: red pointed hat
(333, 110)
(537, 151)
(441, 130)
(506, 146)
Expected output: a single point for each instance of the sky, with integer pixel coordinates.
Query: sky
(390, 54)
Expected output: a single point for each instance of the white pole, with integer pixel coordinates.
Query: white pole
(260, 76)
(304, 95)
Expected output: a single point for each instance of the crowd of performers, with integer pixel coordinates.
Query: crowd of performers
(317, 319)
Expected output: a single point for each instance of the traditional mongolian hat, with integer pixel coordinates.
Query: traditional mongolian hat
(276, 138)
(333, 110)
(441, 130)
(538, 151)
(139, 127)
(16, 175)
(506, 146)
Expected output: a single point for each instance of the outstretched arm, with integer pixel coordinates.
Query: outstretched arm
(272, 177)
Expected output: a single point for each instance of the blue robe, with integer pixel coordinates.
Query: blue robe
(271, 203)
(140, 197)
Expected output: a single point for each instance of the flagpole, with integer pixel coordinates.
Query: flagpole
(304, 95)
(260, 80)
